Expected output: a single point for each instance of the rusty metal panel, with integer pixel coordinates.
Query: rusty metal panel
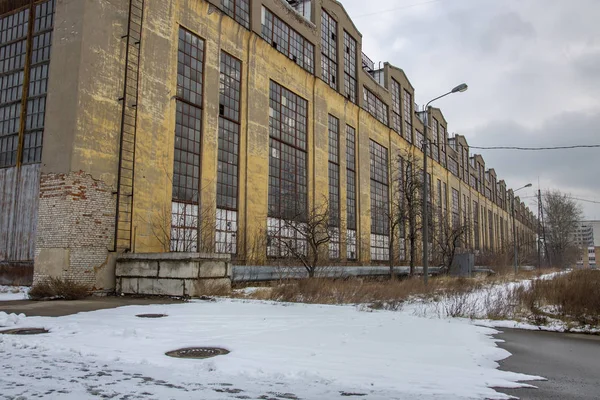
(26, 210)
(19, 199)
(8, 182)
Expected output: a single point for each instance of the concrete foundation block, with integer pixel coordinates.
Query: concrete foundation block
(137, 268)
(162, 287)
(178, 269)
(128, 286)
(213, 269)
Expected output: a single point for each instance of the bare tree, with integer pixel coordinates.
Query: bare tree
(562, 214)
(302, 236)
(452, 232)
(408, 202)
(184, 227)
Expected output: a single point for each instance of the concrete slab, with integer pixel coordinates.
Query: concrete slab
(137, 268)
(213, 269)
(178, 269)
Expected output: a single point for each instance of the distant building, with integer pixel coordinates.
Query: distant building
(587, 237)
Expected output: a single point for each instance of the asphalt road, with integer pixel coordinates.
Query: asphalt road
(59, 308)
(570, 362)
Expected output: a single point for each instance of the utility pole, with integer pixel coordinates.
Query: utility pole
(539, 249)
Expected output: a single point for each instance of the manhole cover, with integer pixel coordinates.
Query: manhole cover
(24, 331)
(151, 315)
(197, 352)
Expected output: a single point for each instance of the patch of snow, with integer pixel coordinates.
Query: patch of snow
(10, 319)
(9, 293)
(310, 351)
(247, 291)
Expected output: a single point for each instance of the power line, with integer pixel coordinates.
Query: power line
(570, 197)
(581, 146)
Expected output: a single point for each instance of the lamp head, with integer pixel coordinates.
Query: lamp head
(460, 88)
(528, 185)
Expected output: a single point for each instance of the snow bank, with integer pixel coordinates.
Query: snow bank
(9, 293)
(310, 348)
(10, 319)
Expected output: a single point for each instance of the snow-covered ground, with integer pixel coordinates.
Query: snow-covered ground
(278, 351)
(8, 293)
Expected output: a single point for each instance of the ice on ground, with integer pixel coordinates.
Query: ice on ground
(294, 350)
(9, 293)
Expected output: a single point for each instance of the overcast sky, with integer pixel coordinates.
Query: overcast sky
(533, 70)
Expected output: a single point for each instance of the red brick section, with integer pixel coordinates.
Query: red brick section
(76, 212)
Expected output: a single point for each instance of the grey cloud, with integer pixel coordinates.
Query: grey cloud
(504, 28)
(532, 69)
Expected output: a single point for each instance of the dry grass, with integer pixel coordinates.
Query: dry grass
(573, 297)
(211, 288)
(59, 289)
(380, 294)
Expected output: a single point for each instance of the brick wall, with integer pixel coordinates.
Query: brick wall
(75, 227)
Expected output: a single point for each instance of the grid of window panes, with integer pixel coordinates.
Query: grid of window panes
(473, 181)
(435, 150)
(396, 107)
(501, 231)
(188, 138)
(287, 41)
(38, 82)
(455, 208)
(350, 83)
(190, 67)
(440, 206)
(351, 193)
(13, 42)
(302, 7)
(379, 202)
(484, 232)
(239, 10)
(419, 139)
(287, 154)
(453, 166)
(375, 106)
(465, 163)
(476, 224)
(334, 186)
(408, 114)
(329, 50)
(491, 229)
(228, 154)
(466, 218)
(443, 140)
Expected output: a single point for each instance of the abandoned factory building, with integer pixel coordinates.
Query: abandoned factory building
(199, 125)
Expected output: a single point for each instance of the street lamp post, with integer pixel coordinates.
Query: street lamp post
(516, 249)
(425, 218)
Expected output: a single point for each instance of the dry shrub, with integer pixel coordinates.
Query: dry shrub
(387, 294)
(59, 289)
(573, 297)
(211, 288)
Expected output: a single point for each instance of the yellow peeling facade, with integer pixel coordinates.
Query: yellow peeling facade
(87, 75)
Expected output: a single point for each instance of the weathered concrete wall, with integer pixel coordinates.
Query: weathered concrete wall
(172, 274)
(81, 142)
